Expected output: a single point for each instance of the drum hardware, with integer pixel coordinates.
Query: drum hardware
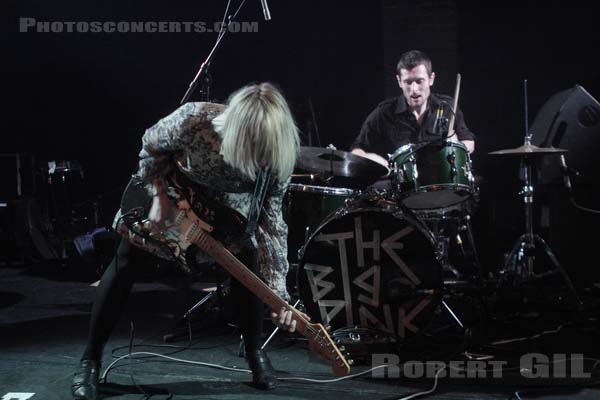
(274, 332)
(520, 261)
(215, 287)
(451, 312)
(528, 149)
(443, 243)
(452, 225)
(451, 158)
(311, 179)
(361, 343)
(340, 168)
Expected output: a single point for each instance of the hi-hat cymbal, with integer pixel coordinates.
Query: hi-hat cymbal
(338, 163)
(528, 150)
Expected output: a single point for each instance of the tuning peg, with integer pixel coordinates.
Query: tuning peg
(337, 341)
(350, 361)
(342, 348)
(147, 226)
(328, 328)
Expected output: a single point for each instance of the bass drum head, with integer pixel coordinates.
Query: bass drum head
(373, 270)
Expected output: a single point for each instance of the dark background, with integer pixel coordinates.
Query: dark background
(89, 97)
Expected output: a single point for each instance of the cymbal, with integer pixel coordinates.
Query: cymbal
(528, 150)
(338, 163)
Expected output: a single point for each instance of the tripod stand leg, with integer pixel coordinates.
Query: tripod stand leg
(513, 253)
(198, 304)
(559, 267)
(458, 321)
(472, 243)
(272, 335)
(175, 335)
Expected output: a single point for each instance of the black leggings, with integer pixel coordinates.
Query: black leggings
(121, 274)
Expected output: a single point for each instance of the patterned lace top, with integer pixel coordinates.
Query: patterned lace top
(188, 134)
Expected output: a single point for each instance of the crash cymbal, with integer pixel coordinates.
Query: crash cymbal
(528, 150)
(334, 163)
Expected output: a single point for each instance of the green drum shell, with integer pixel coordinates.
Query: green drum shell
(305, 207)
(424, 176)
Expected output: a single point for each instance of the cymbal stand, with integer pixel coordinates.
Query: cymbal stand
(522, 255)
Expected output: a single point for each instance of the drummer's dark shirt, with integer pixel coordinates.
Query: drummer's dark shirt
(392, 125)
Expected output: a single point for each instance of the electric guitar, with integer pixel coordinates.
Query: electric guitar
(199, 224)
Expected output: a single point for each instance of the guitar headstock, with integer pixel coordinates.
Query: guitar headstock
(320, 342)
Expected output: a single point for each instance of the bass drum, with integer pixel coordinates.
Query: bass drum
(371, 267)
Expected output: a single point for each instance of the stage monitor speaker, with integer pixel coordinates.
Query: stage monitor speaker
(570, 120)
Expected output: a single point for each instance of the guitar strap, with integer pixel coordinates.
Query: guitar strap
(263, 182)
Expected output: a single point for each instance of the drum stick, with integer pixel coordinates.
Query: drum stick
(454, 107)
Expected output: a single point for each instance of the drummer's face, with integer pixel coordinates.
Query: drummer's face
(416, 85)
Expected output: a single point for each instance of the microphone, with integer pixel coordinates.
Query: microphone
(265, 8)
(565, 171)
(440, 124)
(436, 123)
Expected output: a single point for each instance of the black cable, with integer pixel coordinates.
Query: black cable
(569, 187)
(518, 394)
(582, 208)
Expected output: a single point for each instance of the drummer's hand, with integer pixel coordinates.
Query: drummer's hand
(284, 320)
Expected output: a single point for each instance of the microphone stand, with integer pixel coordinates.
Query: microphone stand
(203, 73)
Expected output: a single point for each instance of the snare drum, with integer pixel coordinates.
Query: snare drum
(432, 176)
(305, 207)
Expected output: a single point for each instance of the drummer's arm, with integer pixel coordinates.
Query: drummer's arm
(371, 156)
(464, 132)
(470, 145)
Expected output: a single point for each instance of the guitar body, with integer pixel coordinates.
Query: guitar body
(188, 202)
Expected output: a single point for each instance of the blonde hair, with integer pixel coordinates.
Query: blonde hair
(257, 129)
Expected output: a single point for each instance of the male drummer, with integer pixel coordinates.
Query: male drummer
(415, 117)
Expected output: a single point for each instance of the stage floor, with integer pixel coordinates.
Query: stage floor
(44, 311)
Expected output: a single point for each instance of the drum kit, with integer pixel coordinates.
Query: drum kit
(374, 264)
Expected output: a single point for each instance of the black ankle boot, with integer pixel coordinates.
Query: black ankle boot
(263, 374)
(85, 381)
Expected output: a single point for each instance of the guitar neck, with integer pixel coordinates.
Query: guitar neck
(243, 274)
(318, 338)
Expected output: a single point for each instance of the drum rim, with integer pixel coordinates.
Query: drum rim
(347, 209)
(437, 187)
(300, 187)
(405, 147)
(407, 194)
